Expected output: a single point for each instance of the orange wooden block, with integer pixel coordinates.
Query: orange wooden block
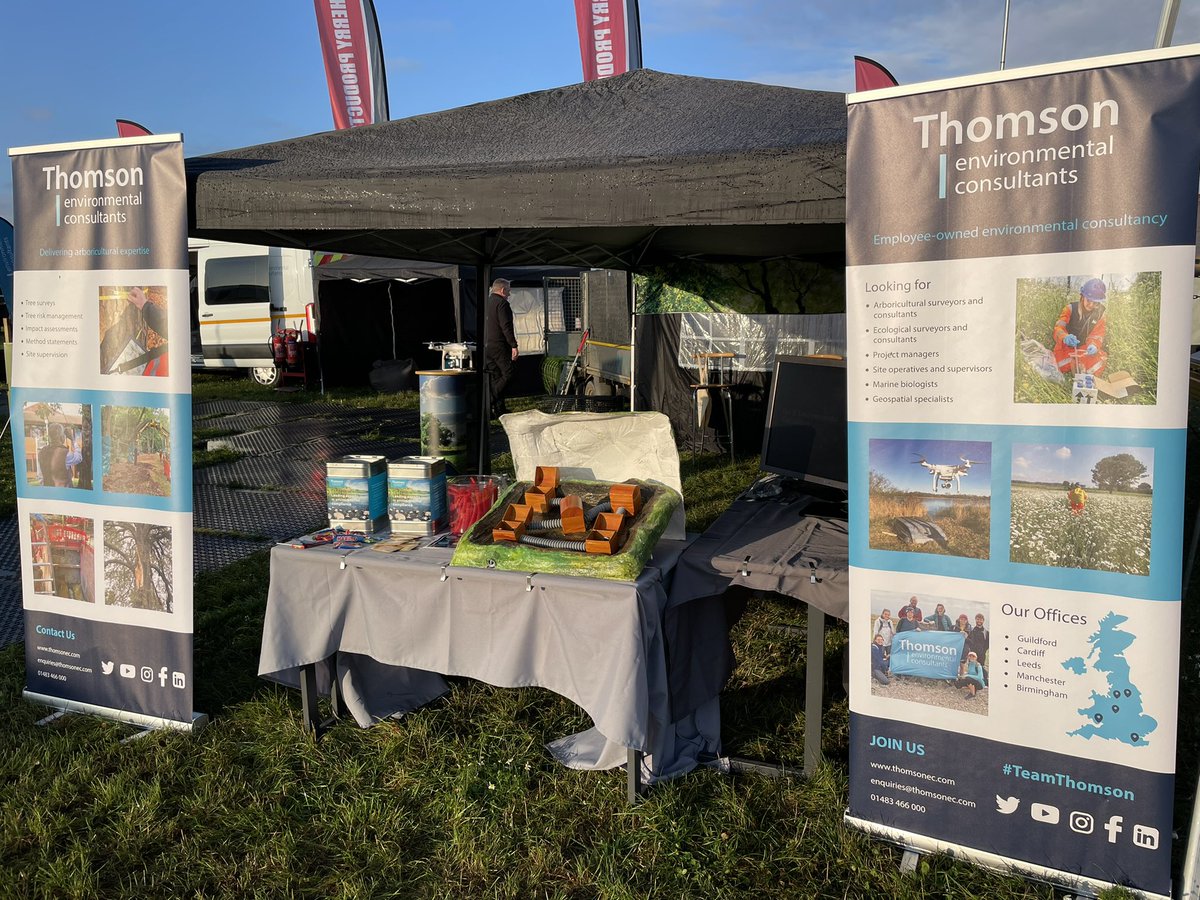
(626, 496)
(508, 531)
(545, 479)
(601, 542)
(571, 512)
(537, 501)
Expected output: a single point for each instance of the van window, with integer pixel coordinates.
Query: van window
(236, 279)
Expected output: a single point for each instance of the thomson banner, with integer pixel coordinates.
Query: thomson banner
(1020, 252)
(101, 424)
(353, 54)
(610, 39)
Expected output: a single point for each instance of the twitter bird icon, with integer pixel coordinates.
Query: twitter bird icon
(1006, 805)
(106, 667)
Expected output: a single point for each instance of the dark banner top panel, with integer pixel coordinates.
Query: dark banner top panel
(1097, 162)
(89, 208)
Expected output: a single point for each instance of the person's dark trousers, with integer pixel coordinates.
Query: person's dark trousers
(498, 364)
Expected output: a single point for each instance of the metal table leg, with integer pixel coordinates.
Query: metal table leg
(633, 776)
(814, 690)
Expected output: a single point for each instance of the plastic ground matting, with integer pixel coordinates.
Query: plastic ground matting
(478, 550)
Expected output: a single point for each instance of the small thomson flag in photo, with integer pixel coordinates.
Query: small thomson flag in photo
(610, 38)
(353, 54)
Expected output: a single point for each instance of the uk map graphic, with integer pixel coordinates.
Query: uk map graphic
(1116, 715)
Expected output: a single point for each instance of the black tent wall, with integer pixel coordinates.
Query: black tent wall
(356, 322)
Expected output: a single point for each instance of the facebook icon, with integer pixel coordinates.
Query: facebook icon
(1113, 827)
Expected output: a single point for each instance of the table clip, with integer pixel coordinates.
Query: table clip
(746, 567)
(491, 564)
(342, 563)
(812, 575)
(444, 575)
(529, 582)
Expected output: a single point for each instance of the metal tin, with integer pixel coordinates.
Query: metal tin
(416, 493)
(356, 492)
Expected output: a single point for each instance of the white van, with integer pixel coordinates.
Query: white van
(244, 294)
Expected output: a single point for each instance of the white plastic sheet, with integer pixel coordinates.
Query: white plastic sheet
(599, 447)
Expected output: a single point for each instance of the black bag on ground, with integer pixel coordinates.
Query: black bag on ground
(391, 375)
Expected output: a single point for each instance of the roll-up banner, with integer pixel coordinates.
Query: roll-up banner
(610, 39)
(353, 52)
(1020, 250)
(101, 424)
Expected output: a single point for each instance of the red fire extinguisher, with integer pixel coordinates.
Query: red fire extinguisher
(278, 353)
(291, 343)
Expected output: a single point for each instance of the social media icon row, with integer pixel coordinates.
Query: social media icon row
(1080, 822)
(146, 673)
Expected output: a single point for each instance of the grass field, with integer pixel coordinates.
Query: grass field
(966, 522)
(1112, 534)
(459, 799)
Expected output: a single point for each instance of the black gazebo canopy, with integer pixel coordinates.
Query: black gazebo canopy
(626, 172)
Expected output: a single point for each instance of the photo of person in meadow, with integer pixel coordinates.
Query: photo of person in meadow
(930, 496)
(1100, 325)
(1057, 521)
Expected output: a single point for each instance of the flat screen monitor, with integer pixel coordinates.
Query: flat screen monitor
(805, 435)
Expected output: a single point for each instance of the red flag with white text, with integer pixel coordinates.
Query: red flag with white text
(353, 54)
(610, 39)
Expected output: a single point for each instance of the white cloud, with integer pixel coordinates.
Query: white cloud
(1063, 452)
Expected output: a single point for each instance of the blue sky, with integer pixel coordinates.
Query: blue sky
(899, 461)
(1057, 463)
(233, 75)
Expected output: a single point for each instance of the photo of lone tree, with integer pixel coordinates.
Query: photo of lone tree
(136, 450)
(137, 566)
(1082, 507)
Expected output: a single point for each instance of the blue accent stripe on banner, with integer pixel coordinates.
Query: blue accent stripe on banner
(942, 176)
(1166, 522)
(58, 209)
(179, 460)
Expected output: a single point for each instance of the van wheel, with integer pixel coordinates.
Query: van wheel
(267, 376)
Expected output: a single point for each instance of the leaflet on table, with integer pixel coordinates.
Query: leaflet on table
(959, 341)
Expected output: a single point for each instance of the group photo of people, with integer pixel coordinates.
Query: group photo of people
(931, 650)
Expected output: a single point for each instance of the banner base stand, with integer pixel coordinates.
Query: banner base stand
(124, 716)
(50, 719)
(917, 844)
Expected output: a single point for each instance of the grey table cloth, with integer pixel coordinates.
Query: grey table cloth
(389, 626)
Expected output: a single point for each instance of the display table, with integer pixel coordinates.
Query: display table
(380, 630)
(776, 545)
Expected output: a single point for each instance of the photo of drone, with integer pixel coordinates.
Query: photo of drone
(946, 475)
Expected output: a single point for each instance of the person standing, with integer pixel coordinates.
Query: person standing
(939, 621)
(978, 641)
(885, 628)
(500, 347)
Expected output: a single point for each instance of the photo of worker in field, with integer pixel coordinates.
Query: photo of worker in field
(927, 496)
(63, 557)
(138, 566)
(1088, 339)
(133, 330)
(1082, 506)
(58, 444)
(136, 450)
